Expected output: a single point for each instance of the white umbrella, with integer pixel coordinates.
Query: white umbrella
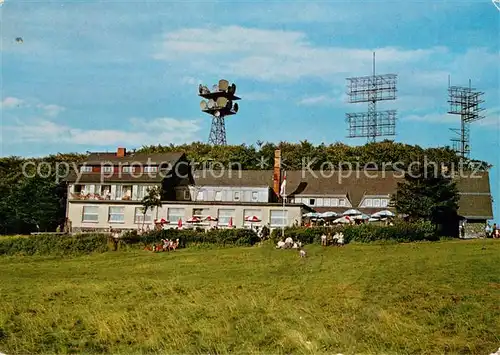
(373, 220)
(384, 213)
(311, 215)
(343, 219)
(351, 212)
(328, 215)
(361, 216)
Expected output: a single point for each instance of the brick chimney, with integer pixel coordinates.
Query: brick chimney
(277, 172)
(121, 152)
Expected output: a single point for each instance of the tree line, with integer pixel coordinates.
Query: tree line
(34, 200)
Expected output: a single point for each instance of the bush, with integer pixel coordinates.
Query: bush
(49, 244)
(364, 233)
(193, 237)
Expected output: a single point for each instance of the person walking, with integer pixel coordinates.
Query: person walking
(488, 230)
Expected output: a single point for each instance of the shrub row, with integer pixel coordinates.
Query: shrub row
(399, 232)
(47, 244)
(192, 237)
(50, 244)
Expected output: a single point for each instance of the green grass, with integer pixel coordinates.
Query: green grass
(420, 298)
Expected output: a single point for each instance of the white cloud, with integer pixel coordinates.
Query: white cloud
(11, 102)
(51, 110)
(314, 100)
(135, 132)
(275, 55)
(189, 80)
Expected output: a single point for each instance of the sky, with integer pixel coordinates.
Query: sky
(95, 75)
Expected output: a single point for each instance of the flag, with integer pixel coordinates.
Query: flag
(283, 185)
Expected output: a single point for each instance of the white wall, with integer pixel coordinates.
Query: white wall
(75, 213)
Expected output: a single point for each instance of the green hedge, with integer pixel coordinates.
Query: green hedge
(192, 237)
(50, 244)
(47, 244)
(400, 232)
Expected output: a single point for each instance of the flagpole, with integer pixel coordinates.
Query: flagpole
(284, 197)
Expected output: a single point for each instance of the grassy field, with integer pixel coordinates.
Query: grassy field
(422, 298)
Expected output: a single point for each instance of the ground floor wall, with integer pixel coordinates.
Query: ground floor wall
(473, 229)
(101, 216)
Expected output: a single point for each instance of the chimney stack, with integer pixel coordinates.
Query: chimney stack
(277, 172)
(121, 152)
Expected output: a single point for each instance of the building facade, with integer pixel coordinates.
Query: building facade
(108, 188)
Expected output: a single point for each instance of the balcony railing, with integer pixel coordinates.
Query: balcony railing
(81, 196)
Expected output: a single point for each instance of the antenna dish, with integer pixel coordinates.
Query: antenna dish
(211, 103)
(222, 102)
(217, 114)
(223, 85)
(203, 105)
(235, 107)
(215, 88)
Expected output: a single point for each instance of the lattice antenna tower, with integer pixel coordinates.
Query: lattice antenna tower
(464, 101)
(371, 89)
(220, 103)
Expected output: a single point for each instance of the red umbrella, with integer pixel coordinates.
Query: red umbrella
(164, 221)
(179, 223)
(194, 220)
(252, 219)
(230, 222)
(211, 219)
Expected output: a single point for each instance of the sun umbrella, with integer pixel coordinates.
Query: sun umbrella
(311, 215)
(230, 224)
(351, 212)
(343, 219)
(211, 219)
(361, 216)
(252, 219)
(194, 220)
(179, 223)
(328, 215)
(385, 213)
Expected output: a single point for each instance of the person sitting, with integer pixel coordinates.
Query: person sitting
(288, 242)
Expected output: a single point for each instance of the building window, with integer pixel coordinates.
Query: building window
(384, 202)
(200, 212)
(225, 215)
(90, 214)
(311, 202)
(255, 196)
(335, 202)
(327, 202)
(279, 218)
(199, 196)
(319, 202)
(128, 169)
(342, 202)
(124, 192)
(116, 214)
(187, 195)
(142, 191)
(249, 214)
(107, 169)
(368, 202)
(150, 169)
(140, 217)
(376, 202)
(218, 195)
(85, 169)
(106, 192)
(174, 214)
(236, 196)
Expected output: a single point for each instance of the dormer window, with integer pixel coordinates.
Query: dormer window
(128, 169)
(150, 169)
(107, 169)
(85, 169)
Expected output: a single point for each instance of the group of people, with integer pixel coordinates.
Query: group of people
(492, 232)
(337, 239)
(288, 244)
